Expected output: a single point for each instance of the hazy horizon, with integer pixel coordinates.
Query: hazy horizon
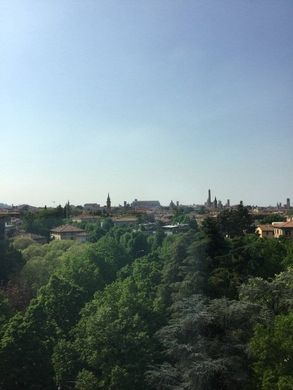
(149, 100)
(102, 203)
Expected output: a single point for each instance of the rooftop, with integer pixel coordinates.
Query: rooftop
(67, 229)
(286, 225)
(266, 227)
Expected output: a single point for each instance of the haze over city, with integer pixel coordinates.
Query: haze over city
(149, 100)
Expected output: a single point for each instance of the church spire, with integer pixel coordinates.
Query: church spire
(108, 202)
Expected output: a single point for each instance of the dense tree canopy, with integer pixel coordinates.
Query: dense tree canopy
(207, 309)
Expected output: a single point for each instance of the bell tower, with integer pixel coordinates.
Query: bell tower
(108, 203)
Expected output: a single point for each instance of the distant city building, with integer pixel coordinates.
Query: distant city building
(164, 217)
(5, 222)
(145, 204)
(288, 203)
(91, 207)
(215, 203)
(209, 200)
(172, 205)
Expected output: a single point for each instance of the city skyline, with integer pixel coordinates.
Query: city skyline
(149, 100)
(209, 202)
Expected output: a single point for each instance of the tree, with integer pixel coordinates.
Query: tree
(272, 347)
(136, 244)
(246, 256)
(25, 350)
(41, 262)
(5, 310)
(22, 243)
(274, 297)
(42, 221)
(11, 261)
(205, 345)
(86, 380)
(272, 343)
(114, 336)
(107, 224)
(235, 222)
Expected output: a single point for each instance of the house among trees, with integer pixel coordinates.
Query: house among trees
(266, 230)
(68, 232)
(276, 230)
(284, 229)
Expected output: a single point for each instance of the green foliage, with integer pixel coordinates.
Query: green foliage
(136, 244)
(21, 243)
(42, 261)
(28, 341)
(235, 222)
(94, 229)
(216, 243)
(62, 300)
(205, 345)
(5, 309)
(43, 221)
(107, 224)
(114, 335)
(52, 315)
(137, 311)
(110, 257)
(180, 217)
(275, 296)
(174, 251)
(268, 219)
(95, 233)
(191, 261)
(272, 346)
(65, 361)
(11, 261)
(288, 257)
(157, 239)
(86, 380)
(80, 266)
(25, 348)
(247, 256)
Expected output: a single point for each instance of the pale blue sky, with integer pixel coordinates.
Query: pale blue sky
(146, 99)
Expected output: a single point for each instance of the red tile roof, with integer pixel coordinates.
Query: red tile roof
(67, 229)
(266, 228)
(286, 225)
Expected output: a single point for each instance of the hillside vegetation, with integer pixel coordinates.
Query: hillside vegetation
(135, 311)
